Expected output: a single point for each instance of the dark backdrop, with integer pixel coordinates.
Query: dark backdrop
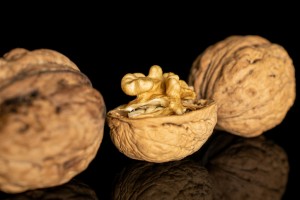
(106, 47)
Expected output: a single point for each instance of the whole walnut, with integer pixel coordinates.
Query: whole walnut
(51, 120)
(252, 81)
(184, 179)
(247, 168)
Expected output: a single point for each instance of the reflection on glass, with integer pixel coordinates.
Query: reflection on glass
(247, 168)
(230, 168)
(73, 190)
(183, 179)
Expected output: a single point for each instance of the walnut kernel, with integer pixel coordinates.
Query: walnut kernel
(165, 122)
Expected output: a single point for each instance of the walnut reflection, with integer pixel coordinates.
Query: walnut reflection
(228, 168)
(73, 190)
(246, 168)
(183, 179)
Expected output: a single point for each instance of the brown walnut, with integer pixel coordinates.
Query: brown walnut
(51, 120)
(165, 122)
(252, 81)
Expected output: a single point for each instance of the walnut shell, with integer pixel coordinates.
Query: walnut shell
(51, 120)
(252, 81)
(252, 168)
(162, 138)
(182, 179)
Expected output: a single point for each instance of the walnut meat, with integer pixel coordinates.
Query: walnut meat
(51, 120)
(252, 81)
(183, 179)
(164, 122)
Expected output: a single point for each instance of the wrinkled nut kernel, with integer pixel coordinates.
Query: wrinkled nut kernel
(51, 120)
(252, 81)
(165, 122)
(157, 94)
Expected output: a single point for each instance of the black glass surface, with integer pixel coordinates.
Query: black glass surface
(226, 167)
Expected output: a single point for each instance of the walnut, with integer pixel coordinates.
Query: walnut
(183, 179)
(252, 81)
(71, 190)
(247, 168)
(51, 120)
(165, 122)
(157, 94)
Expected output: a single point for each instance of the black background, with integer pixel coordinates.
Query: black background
(106, 46)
